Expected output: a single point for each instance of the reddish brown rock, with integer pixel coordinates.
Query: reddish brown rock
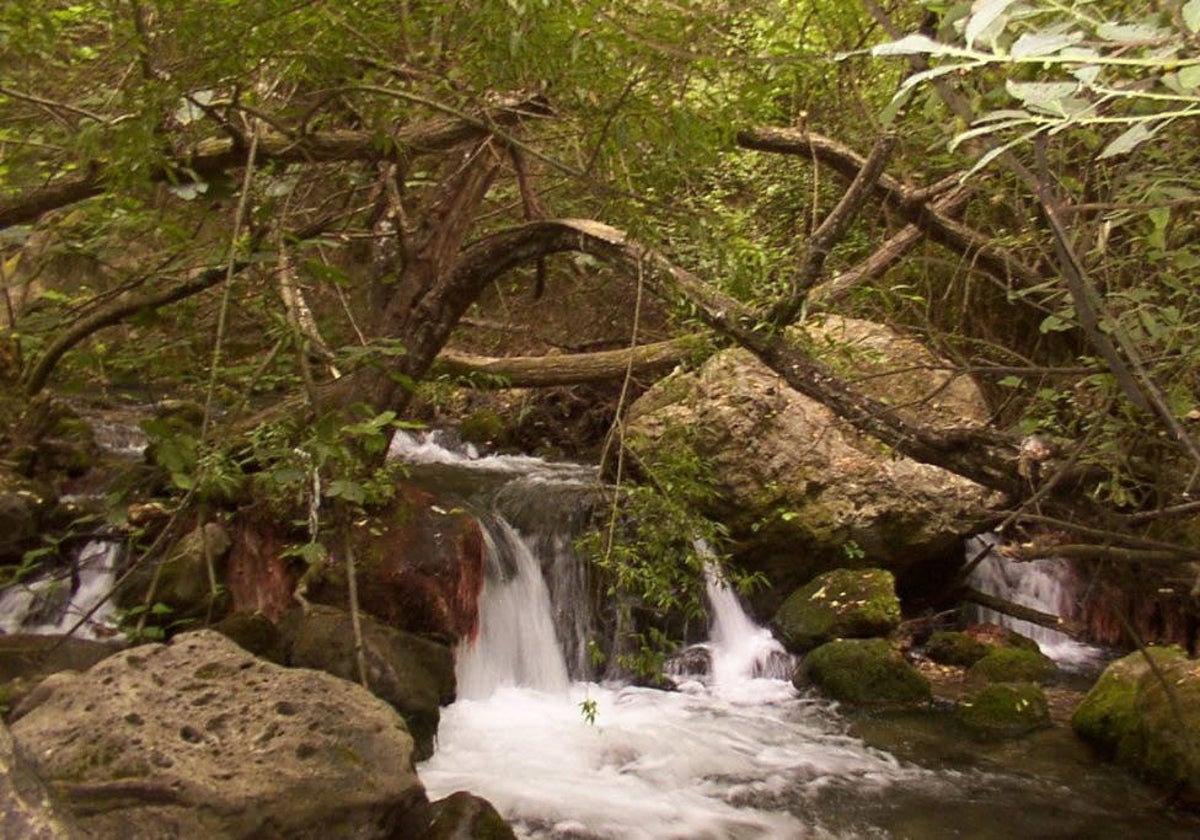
(420, 568)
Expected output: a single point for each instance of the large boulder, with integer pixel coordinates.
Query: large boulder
(1148, 719)
(26, 809)
(866, 672)
(200, 739)
(419, 567)
(801, 488)
(842, 603)
(413, 674)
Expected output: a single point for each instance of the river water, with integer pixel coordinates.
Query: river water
(736, 752)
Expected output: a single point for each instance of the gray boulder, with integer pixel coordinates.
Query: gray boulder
(26, 809)
(199, 738)
(413, 674)
(800, 487)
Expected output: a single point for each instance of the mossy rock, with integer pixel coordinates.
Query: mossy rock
(864, 672)
(1130, 717)
(843, 603)
(1005, 710)
(483, 427)
(1011, 665)
(1170, 718)
(254, 632)
(953, 647)
(463, 815)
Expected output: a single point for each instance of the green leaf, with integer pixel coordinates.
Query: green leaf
(1191, 15)
(1127, 141)
(987, 20)
(351, 491)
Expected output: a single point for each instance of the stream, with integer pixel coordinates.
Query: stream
(736, 752)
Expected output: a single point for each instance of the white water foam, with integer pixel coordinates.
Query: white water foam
(719, 759)
(53, 604)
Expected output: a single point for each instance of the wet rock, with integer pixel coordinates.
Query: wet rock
(863, 672)
(799, 486)
(843, 603)
(23, 505)
(1005, 710)
(464, 816)
(201, 739)
(420, 568)
(414, 675)
(27, 660)
(182, 581)
(953, 647)
(256, 633)
(1148, 723)
(1006, 665)
(26, 808)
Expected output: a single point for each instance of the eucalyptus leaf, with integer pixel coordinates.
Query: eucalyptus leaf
(1131, 33)
(913, 45)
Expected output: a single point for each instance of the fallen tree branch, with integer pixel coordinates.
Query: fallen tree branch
(830, 232)
(569, 369)
(886, 255)
(979, 454)
(1044, 619)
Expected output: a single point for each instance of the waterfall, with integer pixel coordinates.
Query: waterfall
(740, 649)
(53, 602)
(736, 752)
(1044, 584)
(517, 642)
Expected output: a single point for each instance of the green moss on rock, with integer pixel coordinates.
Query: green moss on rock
(1131, 717)
(483, 427)
(864, 672)
(1005, 710)
(843, 603)
(1011, 665)
(953, 647)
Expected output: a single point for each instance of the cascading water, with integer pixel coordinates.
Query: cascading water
(53, 603)
(736, 753)
(1044, 585)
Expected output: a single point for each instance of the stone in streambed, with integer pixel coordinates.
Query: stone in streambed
(199, 738)
(863, 672)
(843, 603)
